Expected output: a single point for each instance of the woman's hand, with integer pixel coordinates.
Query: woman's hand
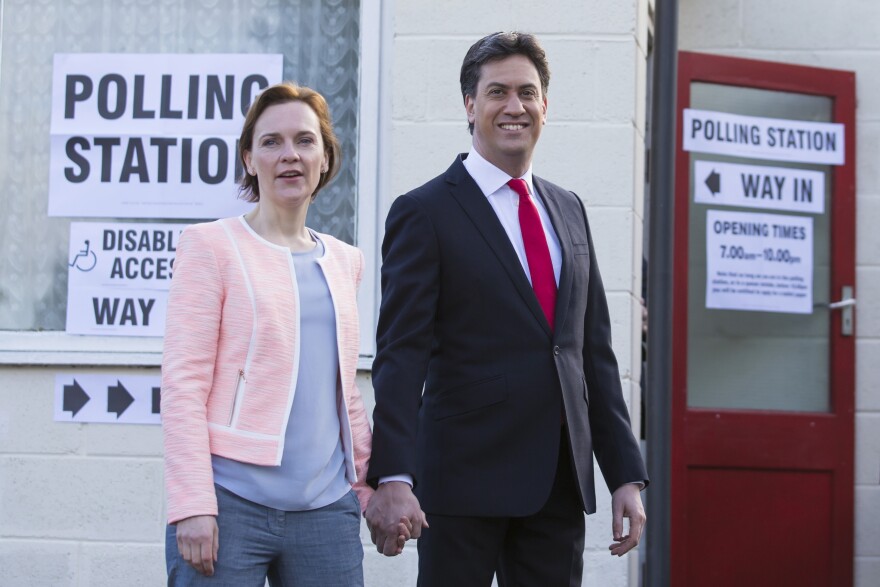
(198, 541)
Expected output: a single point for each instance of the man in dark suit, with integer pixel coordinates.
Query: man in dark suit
(494, 376)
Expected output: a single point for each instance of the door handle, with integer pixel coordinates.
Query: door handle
(842, 304)
(845, 305)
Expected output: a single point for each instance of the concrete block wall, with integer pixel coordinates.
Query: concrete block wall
(80, 504)
(83, 504)
(593, 144)
(839, 36)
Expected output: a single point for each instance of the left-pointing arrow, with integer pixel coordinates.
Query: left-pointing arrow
(118, 399)
(713, 182)
(74, 399)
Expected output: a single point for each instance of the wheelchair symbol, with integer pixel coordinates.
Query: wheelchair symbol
(85, 260)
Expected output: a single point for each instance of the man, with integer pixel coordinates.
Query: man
(494, 375)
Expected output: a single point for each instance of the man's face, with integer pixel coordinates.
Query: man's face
(508, 111)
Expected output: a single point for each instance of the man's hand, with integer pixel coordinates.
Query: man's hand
(198, 541)
(394, 516)
(626, 503)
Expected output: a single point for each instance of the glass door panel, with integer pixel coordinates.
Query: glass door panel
(749, 360)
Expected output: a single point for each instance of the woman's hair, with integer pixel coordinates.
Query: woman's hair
(281, 94)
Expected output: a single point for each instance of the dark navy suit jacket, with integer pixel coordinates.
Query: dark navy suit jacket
(471, 384)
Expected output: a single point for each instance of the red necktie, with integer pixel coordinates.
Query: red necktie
(537, 251)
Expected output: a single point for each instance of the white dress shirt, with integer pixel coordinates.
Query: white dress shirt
(493, 183)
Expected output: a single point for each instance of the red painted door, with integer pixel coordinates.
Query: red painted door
(763, 399)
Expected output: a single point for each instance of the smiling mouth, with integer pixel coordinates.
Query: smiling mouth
(512, 126)
(290, 174)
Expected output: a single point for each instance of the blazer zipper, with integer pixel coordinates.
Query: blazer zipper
(236, 398)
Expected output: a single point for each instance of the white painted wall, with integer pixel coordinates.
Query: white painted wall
(83, 504)
(838, 35)
(80, 504)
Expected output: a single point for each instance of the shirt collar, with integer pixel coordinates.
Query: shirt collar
(489, 178)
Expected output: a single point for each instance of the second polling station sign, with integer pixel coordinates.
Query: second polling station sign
(775, 139)
(151, 135)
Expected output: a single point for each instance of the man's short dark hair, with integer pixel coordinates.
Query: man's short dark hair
(498, 46)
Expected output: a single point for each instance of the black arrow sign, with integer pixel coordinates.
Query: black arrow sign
(713, 182)
(118, 399)
(75, 398)
(156, 398)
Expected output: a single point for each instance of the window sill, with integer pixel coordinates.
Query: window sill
(60, 348)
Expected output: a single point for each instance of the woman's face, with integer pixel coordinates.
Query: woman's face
(287, 154)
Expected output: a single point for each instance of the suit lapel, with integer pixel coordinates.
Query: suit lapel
(475, 205)
(550, 199)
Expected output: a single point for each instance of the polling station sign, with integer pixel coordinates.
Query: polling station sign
(118, 277)
(759, 262)
(775, 139)
(151, 135)
(759, 186)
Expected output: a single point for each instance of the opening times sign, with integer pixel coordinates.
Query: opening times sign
(151, 135)
(759, 262)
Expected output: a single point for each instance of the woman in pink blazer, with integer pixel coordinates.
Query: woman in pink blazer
(266, 437)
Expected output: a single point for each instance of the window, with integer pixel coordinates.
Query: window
(321, 44)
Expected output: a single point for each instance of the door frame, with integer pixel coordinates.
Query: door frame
(839, 421)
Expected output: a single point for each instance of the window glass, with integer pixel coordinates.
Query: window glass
(758, 360)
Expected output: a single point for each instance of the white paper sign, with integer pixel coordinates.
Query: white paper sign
(107, 398)
(756, 186)
(777, 139)
(759, 262)
(118, 277)
(151, 135)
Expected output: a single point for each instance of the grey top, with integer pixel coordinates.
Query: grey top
(312, 470)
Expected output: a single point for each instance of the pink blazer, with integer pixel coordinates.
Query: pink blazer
(229, 367)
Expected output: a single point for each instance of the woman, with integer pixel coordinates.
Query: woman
(266, 438)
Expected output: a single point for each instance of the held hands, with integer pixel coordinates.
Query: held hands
(626, 503)
(394, 516)
(198, 541)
